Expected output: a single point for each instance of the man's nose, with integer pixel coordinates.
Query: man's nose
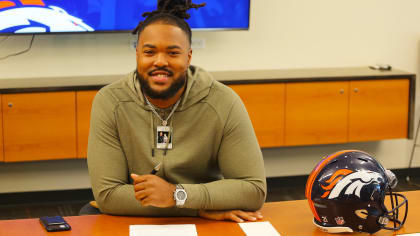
(161, 60)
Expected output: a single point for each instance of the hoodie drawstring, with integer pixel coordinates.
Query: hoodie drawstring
(151, 133)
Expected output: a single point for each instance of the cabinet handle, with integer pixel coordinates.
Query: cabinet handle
(356, 90)
(341, 91)
(10, 104)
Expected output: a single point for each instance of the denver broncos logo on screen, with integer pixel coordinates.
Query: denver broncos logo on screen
(28, 16)
(347, 182)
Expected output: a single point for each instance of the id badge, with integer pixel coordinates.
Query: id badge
(163, 137)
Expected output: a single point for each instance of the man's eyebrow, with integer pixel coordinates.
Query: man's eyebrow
(174, 47)
(149, 46)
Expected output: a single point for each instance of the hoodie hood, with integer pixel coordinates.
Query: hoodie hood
(198, 87)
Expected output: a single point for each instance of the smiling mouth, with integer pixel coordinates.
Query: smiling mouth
(159, 78)
(161, 72)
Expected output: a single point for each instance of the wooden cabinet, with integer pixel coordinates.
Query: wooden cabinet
(286, 107)
(39, 126)
(265, 106)
(316, 113)
(84, 101)
(1, 132)
(326, 112)
(378, 109)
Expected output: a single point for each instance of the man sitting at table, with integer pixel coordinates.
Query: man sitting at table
(210, 165)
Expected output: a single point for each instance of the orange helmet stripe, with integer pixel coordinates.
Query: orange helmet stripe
(337, 173)
(33, 2)
(337, 176)
(325, 194)
(330, 186)
(314, 174)
(4, 4)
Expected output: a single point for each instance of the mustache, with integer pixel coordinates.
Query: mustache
(170, 73)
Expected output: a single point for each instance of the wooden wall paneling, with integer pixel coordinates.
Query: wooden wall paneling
(39, 126)
(316, 113)
(84, 101)
(1, 131)
(265, 106)
(378, 109)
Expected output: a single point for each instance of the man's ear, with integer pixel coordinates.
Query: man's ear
(189, 56)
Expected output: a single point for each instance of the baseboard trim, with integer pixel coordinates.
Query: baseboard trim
(85, 195)
(78, 195)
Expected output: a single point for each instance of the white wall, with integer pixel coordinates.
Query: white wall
(283, 34)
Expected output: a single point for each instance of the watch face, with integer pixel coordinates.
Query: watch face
(180, 195)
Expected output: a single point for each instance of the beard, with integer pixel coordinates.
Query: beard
(176, 85)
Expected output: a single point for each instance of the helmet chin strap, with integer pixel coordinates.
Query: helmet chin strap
(333, 230)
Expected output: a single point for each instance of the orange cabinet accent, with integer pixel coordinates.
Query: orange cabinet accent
(378, 109)
(84, 101)
(316, 113)
(1, 132)
(55, 125)
(39, 126)
(265, 106)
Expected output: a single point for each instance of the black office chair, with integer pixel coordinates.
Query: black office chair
(90, 208)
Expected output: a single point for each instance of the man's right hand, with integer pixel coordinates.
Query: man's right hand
(232, 215)
(151, 190)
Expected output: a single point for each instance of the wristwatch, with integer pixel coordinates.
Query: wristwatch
(180, 195)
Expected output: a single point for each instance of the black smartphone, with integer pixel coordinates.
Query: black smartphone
(54, 223)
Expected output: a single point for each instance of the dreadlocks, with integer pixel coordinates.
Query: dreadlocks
(173, 12)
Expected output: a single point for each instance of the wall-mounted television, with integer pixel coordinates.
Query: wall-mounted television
(70, 16)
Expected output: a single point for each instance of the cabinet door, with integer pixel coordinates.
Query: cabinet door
(39, 126)
(265, 106)
(1, 132)
(316, 113)
(84, 104)
(378, 109)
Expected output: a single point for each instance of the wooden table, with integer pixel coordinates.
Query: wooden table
(289, 218)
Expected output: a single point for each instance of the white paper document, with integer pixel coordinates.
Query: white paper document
(415, 234)
(259, 228)
(163, 230)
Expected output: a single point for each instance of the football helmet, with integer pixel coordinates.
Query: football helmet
(347, 190)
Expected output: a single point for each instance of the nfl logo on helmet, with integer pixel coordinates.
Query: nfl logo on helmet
(339, 220)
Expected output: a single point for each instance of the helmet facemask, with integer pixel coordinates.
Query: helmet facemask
(392, 219)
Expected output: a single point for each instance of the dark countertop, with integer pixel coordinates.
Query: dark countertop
(227, 77)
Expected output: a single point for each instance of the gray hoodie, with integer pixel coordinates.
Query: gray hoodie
(215, 154)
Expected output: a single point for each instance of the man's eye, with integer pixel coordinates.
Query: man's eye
(174, 53)
(148, 52)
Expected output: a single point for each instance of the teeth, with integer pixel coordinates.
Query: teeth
(161, 75)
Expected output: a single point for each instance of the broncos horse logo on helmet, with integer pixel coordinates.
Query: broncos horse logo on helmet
(346, 192)
(352, 183)
(33, 16)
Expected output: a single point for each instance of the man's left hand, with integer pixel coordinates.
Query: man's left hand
(152, 190)
(232, 215)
